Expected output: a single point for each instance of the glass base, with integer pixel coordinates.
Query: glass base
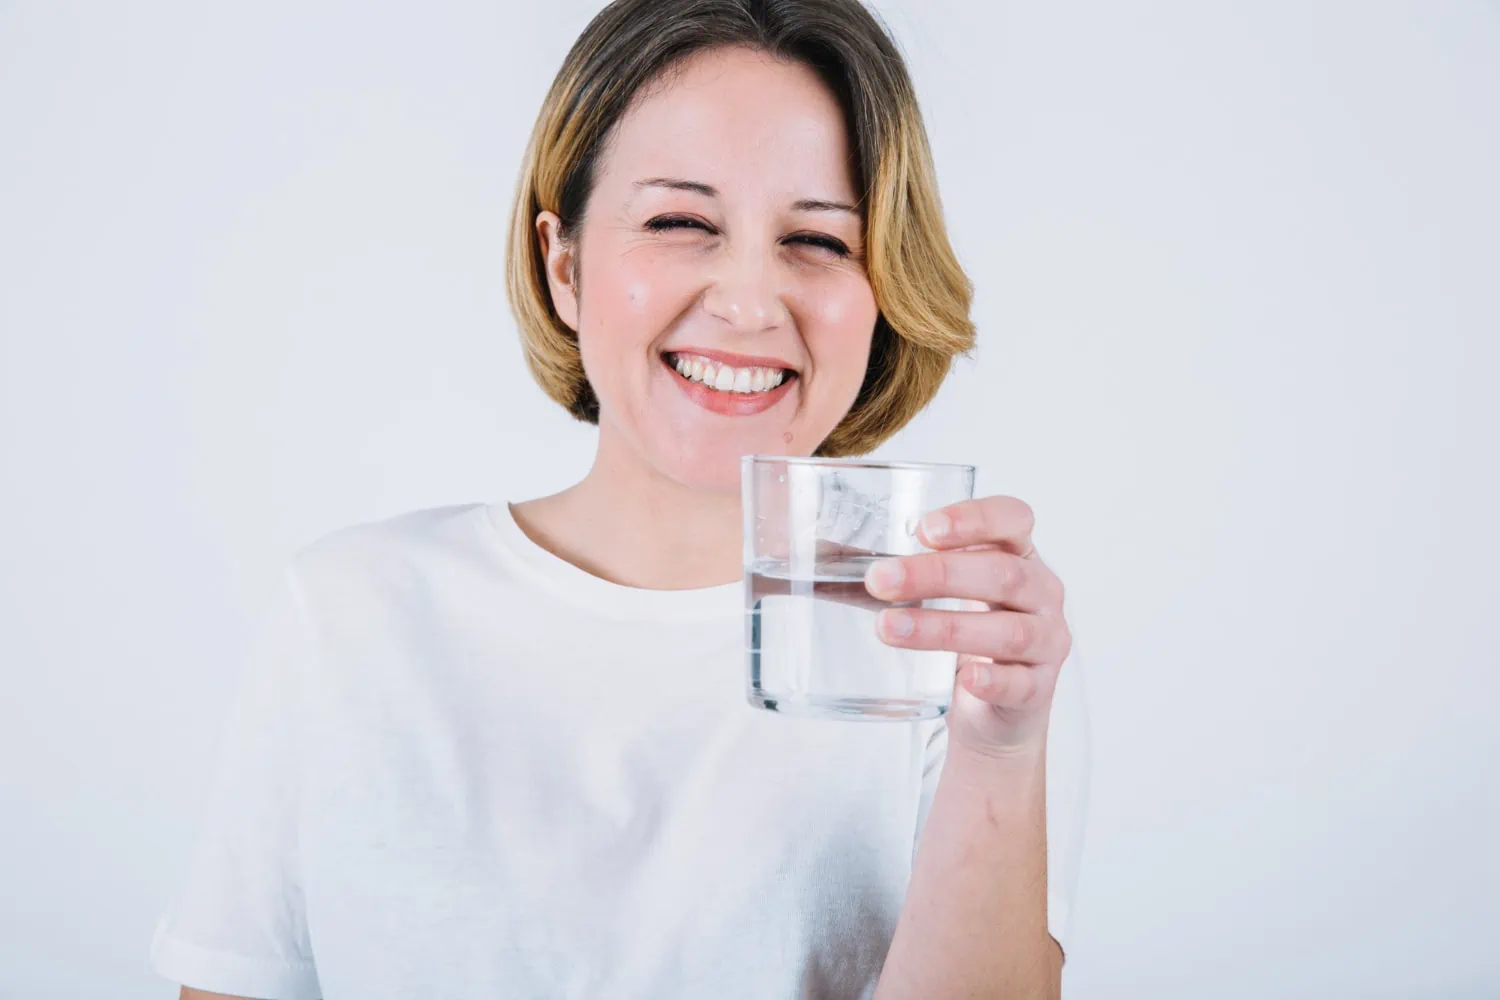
(859, 709)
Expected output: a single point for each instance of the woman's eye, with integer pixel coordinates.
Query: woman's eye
(823, 242)
(666, 222)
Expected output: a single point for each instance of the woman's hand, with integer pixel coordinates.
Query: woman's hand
(1010, 647)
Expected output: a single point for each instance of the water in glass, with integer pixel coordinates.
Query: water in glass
(810, 631)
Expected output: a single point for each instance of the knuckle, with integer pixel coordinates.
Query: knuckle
(939, 575)
(1017, 573)
(1004, 573)
(947, 629)
(1022, 633)
(1022, 514)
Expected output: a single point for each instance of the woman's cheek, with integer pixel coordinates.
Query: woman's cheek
(843, 306)
(840, 323)
(652, 291)
(620, 288)
(637, 295)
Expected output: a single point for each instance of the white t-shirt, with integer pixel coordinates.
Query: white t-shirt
(459, 766)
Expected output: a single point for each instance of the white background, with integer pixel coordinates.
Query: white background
(1239, 302)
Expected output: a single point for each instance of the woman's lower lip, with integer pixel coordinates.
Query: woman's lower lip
(733, 404)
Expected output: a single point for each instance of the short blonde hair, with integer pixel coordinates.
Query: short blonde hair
(921, 291)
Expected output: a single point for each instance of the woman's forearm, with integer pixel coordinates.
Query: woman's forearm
(975, 919)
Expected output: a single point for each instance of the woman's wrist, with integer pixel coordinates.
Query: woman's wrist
(996, 768)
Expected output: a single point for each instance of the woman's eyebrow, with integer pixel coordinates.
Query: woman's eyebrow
(819, 205)
(678, 184)
(709, 191)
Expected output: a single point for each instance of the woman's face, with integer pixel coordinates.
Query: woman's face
(721, 301)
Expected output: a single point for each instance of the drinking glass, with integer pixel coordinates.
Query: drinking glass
(812, 528)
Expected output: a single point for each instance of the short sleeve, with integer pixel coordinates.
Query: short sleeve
(1067, 790)
(237, 925)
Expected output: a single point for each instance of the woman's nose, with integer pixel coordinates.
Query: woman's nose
(744, 294)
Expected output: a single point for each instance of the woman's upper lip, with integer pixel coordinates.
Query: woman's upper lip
(732, 359)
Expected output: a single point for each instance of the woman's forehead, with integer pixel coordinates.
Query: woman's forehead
(728, 118)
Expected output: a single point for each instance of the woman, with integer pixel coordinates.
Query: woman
(498, 750)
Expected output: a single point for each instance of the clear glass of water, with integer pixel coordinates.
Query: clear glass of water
(812, 528)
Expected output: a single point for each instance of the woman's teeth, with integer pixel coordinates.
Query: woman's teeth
(726, 378)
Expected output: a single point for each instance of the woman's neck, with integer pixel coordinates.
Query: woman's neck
(630, 525)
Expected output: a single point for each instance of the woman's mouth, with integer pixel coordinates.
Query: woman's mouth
(729, 384)
(727, 378)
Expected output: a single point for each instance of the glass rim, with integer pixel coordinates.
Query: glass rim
(854, 463)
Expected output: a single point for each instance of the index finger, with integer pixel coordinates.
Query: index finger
(1001, 521)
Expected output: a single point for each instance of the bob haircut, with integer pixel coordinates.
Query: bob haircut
(922, 293)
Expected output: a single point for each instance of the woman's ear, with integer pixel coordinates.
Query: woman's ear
(562, 267)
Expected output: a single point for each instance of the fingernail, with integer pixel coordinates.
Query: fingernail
(936, 525)
(884, 577)
(982, 677)
(896, 624)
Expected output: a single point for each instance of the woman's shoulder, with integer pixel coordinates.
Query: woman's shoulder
(395, 550)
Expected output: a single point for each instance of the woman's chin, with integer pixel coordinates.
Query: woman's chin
(712, 466)
(702, 450)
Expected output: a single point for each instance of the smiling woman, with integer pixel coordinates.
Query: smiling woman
(801, 160)
(504, 749)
